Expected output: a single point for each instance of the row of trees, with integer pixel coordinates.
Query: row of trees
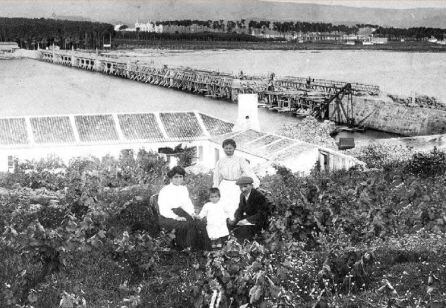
(202, 36)
(298, 26)
(411, 33)
(31, 33)
(34, 33)
(231, 25)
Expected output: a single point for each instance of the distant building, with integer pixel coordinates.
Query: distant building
(266, 33)
(317, 36)
(148, 27)
(8, 47)
(118, 27)
(53, 47)
(432, 40)
(379, 40)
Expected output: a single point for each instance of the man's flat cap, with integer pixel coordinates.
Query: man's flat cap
(244, 180)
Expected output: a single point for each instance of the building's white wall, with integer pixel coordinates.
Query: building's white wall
(301, 163)
(4, 162)
(304, 162)
(68, 152)
(209, 154)
(207, 157)
(338, 161)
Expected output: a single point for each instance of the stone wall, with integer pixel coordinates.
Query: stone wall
(386, 115)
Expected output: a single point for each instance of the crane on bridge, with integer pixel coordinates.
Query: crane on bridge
(341, 109)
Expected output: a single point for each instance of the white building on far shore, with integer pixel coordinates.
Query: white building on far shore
(142, 27)
(8, 47)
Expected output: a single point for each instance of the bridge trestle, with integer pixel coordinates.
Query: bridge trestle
(298, 95)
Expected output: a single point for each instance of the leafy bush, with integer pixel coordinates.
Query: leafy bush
(427, 164)
(45, 173)
(381, 155)
(348, 238)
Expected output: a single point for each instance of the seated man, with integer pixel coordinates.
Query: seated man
(251, 215)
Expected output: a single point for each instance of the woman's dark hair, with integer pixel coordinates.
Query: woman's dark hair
(229, 141)
(214, 190)
(176, 170)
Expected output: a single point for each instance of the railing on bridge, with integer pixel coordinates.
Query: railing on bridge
(206, 82)
(330, 86)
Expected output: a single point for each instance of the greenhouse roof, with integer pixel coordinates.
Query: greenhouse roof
(265, 145)
(109, 128)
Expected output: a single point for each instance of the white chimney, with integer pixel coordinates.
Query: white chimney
(247, 113)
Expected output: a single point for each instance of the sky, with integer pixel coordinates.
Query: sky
(390, 4)
(396, 4)
(94, 8)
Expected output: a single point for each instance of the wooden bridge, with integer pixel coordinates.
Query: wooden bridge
(298, 95)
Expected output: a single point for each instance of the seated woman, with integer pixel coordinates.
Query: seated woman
(176, 211)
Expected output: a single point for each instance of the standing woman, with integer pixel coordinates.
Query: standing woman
(227, 171)
(177, 211)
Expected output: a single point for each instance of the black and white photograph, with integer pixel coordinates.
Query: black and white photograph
(222, 153)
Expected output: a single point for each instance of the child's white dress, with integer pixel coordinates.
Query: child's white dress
(216, 216)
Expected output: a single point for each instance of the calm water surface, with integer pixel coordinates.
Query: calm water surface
(29, 87)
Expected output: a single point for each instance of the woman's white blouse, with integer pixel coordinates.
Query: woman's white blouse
(174, 196)
(231, 168)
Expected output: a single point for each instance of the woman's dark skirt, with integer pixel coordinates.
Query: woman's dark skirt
(190, 233)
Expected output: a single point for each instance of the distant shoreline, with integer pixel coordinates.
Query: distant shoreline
(205, 45)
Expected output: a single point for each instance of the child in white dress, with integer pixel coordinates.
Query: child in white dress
(216, 214)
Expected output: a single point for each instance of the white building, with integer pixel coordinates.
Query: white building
(68, 136)
(264, 150)
(117, 27)
(432, 40)
(149, 27)
(379, 40)
(8, 47)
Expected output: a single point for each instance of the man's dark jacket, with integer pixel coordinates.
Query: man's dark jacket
(255, 209)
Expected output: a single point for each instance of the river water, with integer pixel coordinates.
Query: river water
(29, 87)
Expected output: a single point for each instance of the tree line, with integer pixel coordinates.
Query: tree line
(416, 33)
(201, 36)
(231, 25)
(34, 33)
(41, 32)
(411, 33)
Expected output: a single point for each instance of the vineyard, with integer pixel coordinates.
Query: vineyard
(84, 235)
